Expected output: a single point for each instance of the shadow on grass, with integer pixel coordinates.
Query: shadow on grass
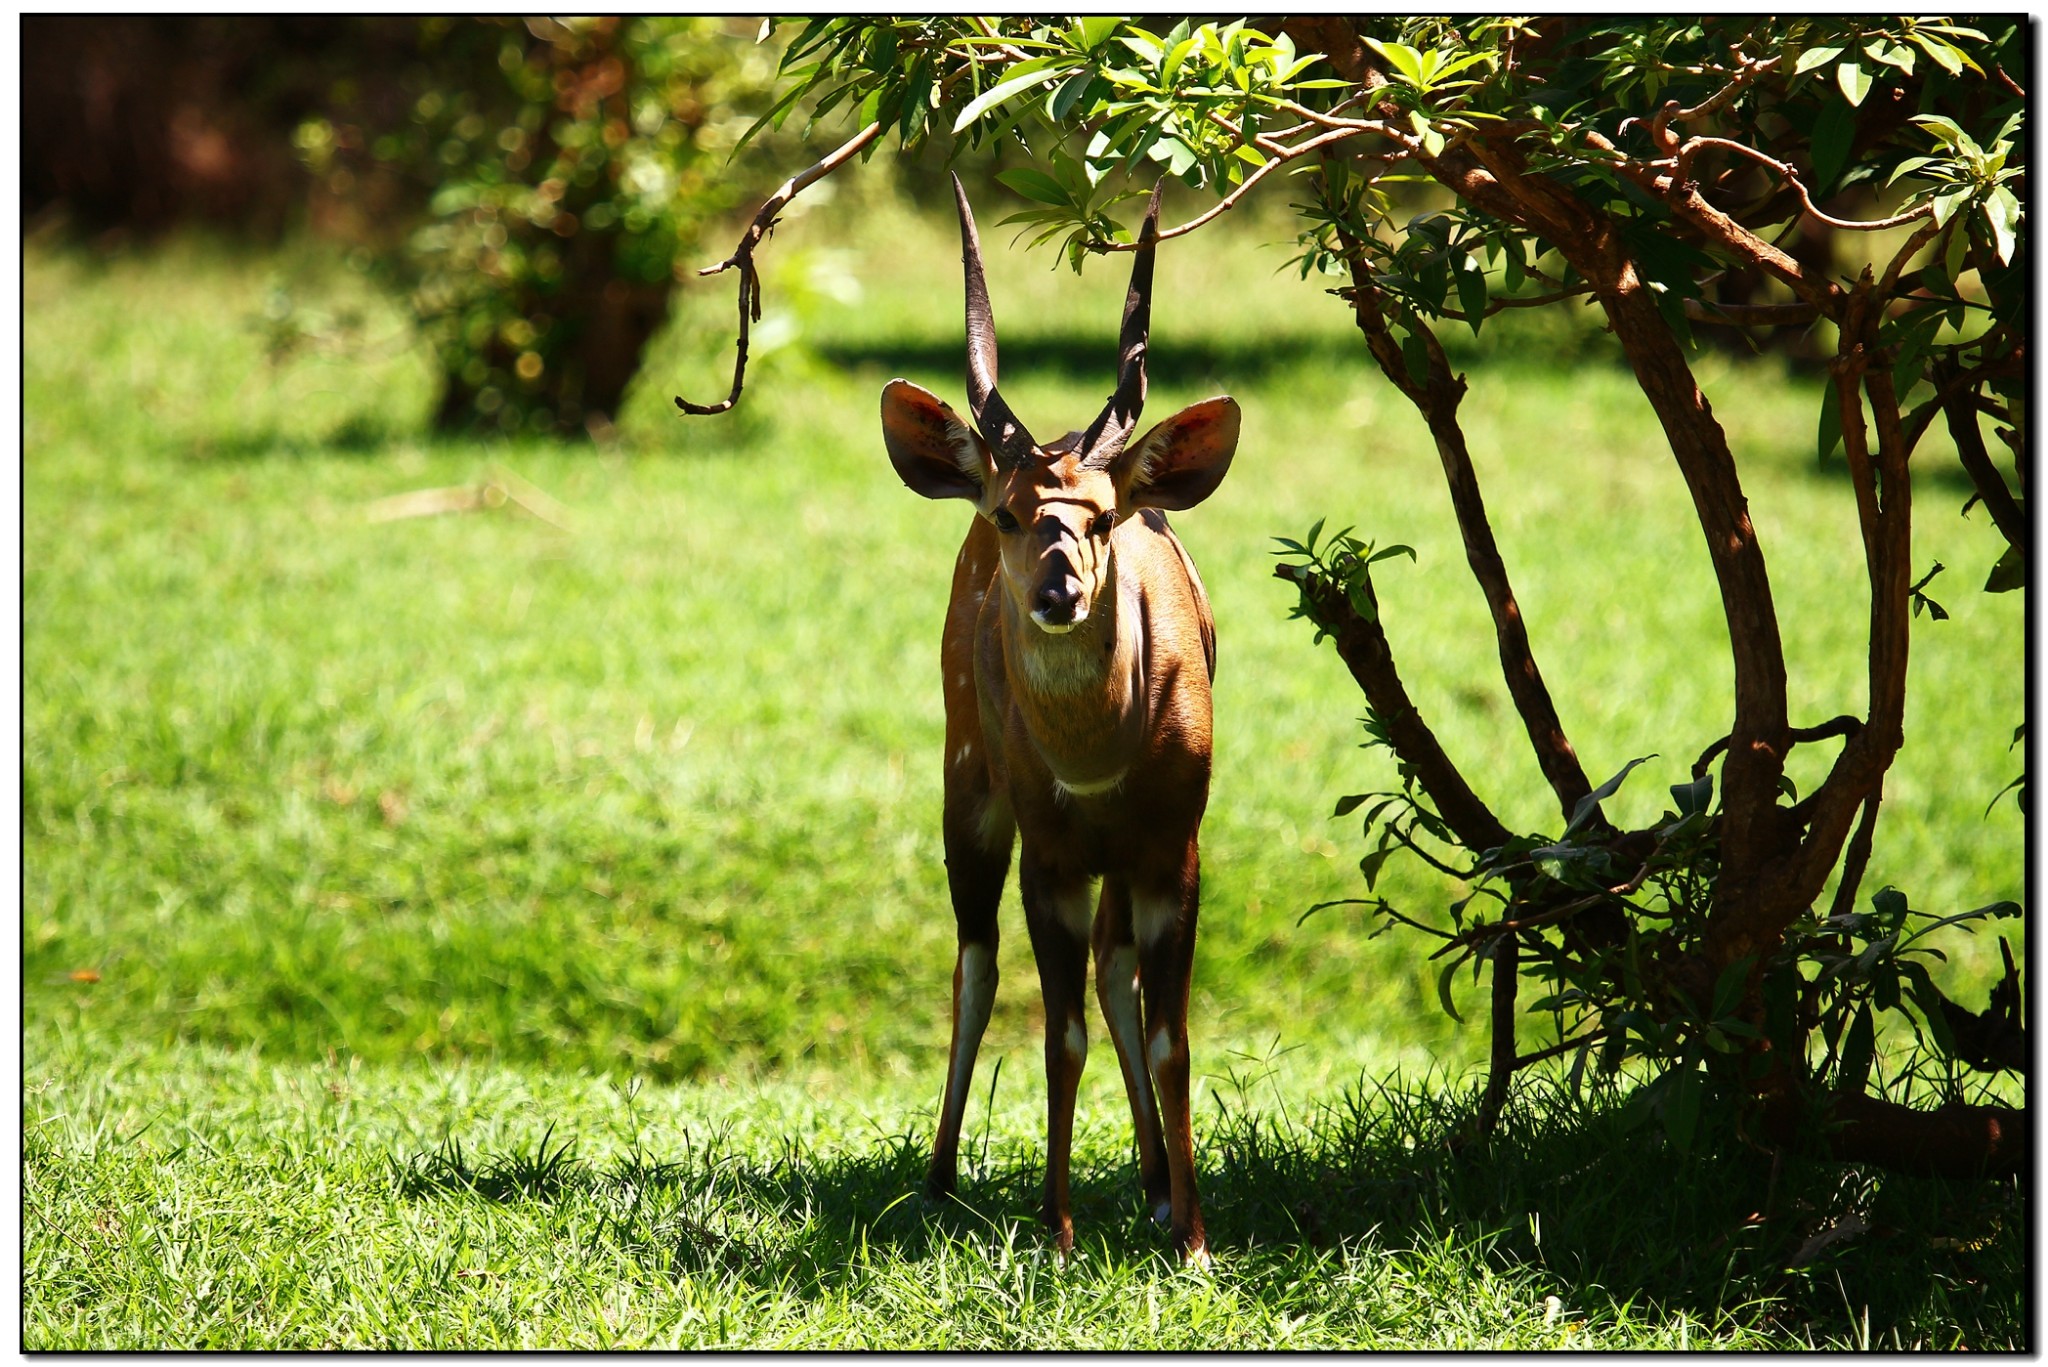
(1089, 360)
(1562, 1195)
(359, 435)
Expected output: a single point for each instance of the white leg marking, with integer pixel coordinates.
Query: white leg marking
(1152, 916)
(965, 753)
(1119, 975)
(1162, 1048)
(1077, 1039)
(997, 822)
(977, 996)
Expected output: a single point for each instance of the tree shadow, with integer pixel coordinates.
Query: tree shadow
(357, 435)
(1088, 360)
(1563, 1191)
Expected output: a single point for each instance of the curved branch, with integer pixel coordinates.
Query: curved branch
(1835, 726)
(742, 259)
(1721, 98)
(1694, 146)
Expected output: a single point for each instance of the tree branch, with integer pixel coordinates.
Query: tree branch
(1437, 400)
(1750, 315)
(1694, 146)
(1229, 201)
(1959, 406)
(742, 259)
(1362, 645)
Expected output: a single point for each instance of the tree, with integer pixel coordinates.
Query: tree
(1632, 163)
(564, 166)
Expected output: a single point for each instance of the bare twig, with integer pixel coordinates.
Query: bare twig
(742, 259)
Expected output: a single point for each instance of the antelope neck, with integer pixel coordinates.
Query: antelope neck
(1081, 693)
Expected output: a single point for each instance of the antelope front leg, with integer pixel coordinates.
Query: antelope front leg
(975, 876)
(1056, 911)
(1165, 923)
(1116, 988)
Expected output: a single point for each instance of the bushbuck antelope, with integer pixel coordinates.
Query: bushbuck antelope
(1078, 652)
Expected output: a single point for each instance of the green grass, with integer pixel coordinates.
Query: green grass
(388, 838)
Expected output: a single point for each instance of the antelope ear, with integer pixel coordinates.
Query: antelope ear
(934, 452)
(1181, 461)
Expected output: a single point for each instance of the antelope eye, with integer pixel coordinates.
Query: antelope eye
(1004, 522)
(1103, 524)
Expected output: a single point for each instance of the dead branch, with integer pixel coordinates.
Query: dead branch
(742, 259)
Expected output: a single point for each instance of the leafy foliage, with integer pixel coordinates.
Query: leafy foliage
(567, 167)
(1601, 160)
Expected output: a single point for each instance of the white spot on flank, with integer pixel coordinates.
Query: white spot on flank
(965, 753)
(960, 680)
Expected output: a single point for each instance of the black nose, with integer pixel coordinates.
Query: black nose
(1056, 600)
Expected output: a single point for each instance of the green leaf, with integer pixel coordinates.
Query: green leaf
(1443, 987)
(1830, 420)
(1417, 357)
(2002, 210)
(1943, 53)
(1389, 553)
(1858, 1051)
(1833, 133)
(1035, 184)
(1406, 60)
(1854, 81)
(1348, 805)
(1590, 801)
(1471, 282)
(1814, 58)
(1024, 76)
(2009, 573)
(1095, 29)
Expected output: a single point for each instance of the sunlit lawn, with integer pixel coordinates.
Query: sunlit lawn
(346, 840)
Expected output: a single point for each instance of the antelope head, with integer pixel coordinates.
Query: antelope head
(1056, 505)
